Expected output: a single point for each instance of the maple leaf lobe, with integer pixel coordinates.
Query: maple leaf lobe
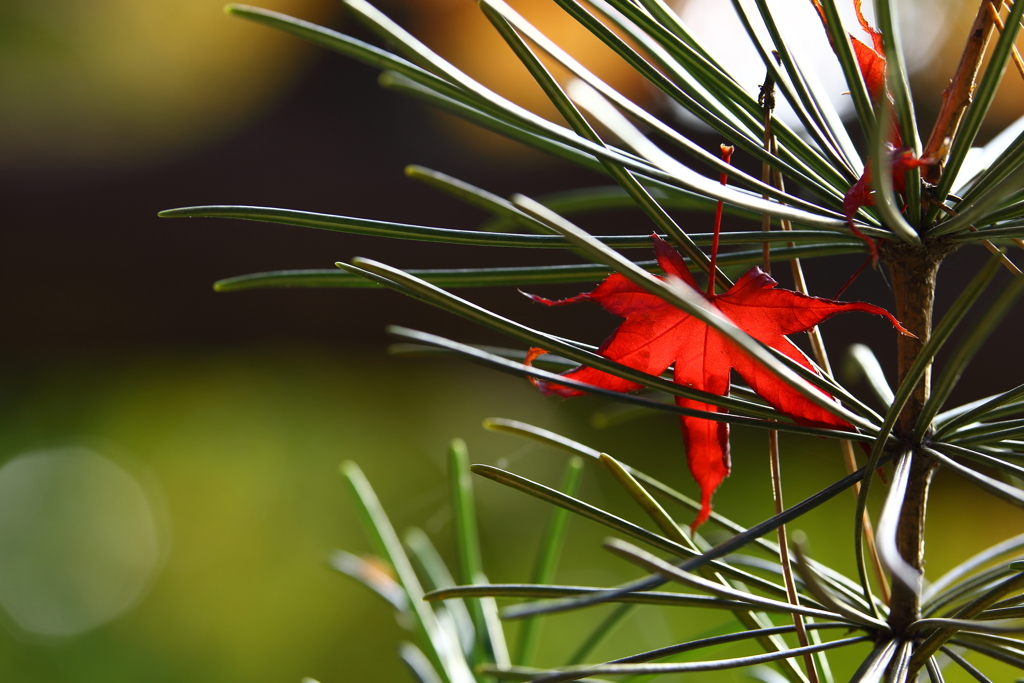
(656, 335)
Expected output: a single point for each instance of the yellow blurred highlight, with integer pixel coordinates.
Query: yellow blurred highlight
(120, 82)
(460, 33)
(98, 82)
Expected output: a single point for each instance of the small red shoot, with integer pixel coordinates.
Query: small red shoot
(723, 178)
(861, 194)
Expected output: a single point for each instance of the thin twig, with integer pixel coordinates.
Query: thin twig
(767, 101)
(1007, 263)
(998, 21)
(957, 94)
(821, 356)
(787, 567)
(1019, 63)
(1010, 266)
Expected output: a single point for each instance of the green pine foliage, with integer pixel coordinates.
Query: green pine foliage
(796, 610)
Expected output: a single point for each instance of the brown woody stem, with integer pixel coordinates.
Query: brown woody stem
(914, 269)
(958, 93)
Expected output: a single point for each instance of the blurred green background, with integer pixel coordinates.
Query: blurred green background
(244, 447)
(170, 490)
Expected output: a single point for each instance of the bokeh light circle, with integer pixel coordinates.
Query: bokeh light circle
(81, 540)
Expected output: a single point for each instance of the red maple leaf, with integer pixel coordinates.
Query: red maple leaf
(656, 335)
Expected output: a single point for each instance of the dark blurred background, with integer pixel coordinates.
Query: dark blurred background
(179, 447)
